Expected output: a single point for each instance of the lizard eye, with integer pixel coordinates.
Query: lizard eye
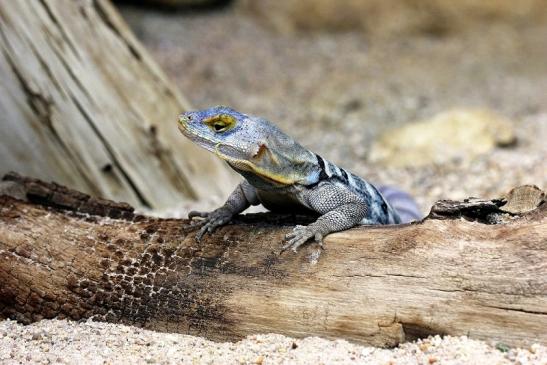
(219, 127)
(220, 123)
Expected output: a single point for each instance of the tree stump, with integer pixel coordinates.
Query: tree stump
(84, 104)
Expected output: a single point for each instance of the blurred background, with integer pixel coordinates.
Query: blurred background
(445, 99)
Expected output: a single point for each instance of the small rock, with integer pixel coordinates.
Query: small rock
(424, 347)
(502, 347)
(447, 136)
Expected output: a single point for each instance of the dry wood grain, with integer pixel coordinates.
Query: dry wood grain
(65, 254)
(84, 104)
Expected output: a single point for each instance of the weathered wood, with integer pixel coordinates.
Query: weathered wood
(84, 104)
(62, 254)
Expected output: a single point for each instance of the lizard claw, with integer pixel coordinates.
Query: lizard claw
(210, 221)
(299, 236)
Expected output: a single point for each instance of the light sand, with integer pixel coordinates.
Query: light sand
(65, 342)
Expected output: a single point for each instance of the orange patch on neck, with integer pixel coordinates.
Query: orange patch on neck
(261, 150)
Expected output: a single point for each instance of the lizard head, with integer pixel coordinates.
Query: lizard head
(252, 146)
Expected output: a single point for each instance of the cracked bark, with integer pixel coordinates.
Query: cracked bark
(65, 254)
(84, 104)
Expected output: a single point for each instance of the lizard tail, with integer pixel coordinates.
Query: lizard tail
(402, 202)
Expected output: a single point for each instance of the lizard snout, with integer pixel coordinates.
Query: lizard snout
(184, 118)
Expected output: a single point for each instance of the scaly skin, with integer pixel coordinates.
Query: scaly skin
(283, 176)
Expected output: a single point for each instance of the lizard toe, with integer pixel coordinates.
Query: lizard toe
(298, 243)
(193, 225)
(199, 235)
(295, 232)
(195, 213)
(290, 235)
(289, 243)
(202, 231)
(319, 239)
(211, 227)
(296, 238)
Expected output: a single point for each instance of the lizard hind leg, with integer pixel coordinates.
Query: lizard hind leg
(339, 207)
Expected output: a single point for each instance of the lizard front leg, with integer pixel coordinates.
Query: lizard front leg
(240, 199)
(340, 208)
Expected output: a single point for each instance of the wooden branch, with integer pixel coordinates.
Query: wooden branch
(65, 254)
(83, 103)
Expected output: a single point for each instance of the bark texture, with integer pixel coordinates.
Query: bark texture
(84, 104)
(65, 254)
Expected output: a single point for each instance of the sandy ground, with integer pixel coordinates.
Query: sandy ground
(63, 342)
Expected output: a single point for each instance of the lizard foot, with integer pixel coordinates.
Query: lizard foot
(210, 222)
(299, 236)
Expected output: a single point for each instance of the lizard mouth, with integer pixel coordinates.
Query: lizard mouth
(182, 128)
(196, 137)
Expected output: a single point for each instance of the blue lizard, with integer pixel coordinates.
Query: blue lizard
(284, 176)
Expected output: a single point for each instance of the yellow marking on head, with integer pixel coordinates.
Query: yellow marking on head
(220, 123)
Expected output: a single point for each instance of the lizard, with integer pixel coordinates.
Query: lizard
(284, 176)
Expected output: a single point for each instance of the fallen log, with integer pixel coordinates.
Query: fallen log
(65, 254)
